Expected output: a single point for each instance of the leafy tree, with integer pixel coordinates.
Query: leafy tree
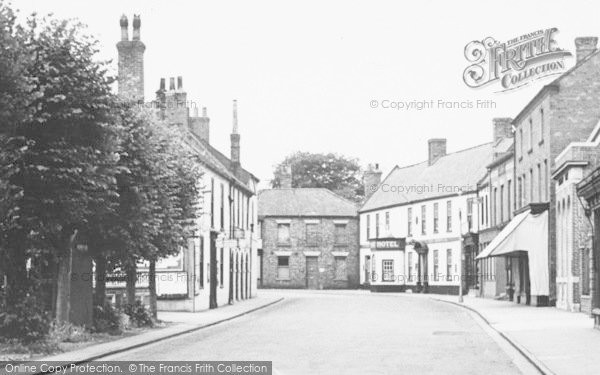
(337, 173)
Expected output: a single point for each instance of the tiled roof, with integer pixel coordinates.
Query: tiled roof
(308, 202)
(449, 174)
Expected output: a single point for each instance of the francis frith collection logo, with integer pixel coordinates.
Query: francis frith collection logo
(514, 63)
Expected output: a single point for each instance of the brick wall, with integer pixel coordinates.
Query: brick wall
(299, 245)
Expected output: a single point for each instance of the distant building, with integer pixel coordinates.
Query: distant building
(219, 266)
(309, 239)
(420, 220)
(495, 198)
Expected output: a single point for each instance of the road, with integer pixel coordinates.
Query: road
(345, 332)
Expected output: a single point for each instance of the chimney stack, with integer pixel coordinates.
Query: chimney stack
(371, 179)
(235, 139)
(124, 25)
(502, 128)
(136, 26)
(171, 84)
(585, 46)
(437, 149)
(131, 62)
(200, 126)
(180, 83)
(285, 177)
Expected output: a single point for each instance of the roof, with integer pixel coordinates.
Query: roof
(219, 163)
(452, 173)
(308, 202)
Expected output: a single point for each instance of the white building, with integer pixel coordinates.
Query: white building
(415, 223)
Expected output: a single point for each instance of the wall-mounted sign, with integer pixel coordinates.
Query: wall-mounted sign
(388, 243)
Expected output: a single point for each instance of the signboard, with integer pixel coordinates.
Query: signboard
(388, 243)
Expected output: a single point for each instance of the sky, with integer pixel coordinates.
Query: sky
(306, 73)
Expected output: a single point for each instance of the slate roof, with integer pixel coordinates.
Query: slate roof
(307, 202)
(460, 170)
(219, 163)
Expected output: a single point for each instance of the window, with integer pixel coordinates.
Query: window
(409, 227)
(470, 214)
(423, 220)
(494, 206)
(387, 221)
(449, 265)
(376, 225)
(368, 226)
(212, 202)
(283, 234)
(541, 125)
(530, 133)
(283, 268)
(524, 189)
(222, 207)
(340, 234)
(508, 188)
(585, 272)
(521, 142)
(435, 218)
(312, 234)
(481, 210)
(501, 203)
(201, 263)
(531, 186)
(221, 268)
(436, 265)
(410, 265)
(449, 216)
(546, 186)
(387, 266)
(520, 193)
(487, 217)
(340, 268)
(539, 172)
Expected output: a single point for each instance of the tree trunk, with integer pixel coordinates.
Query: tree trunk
(63, 284)
(100, 291)
(16, 278)
(152, 287)
(131, 276)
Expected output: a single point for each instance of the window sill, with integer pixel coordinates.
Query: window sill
(284, 244)
(520, 158)
(340, 245)
(283, 279)
(530, 151)
(541, 142)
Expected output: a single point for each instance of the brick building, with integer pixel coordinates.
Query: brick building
(495, 196)
(421, 220)
(219, 265)
(564, 111)
(309, 239)
(574, 229)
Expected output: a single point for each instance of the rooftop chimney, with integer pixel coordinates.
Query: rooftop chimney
(502, 128)
(285, 177)
(585, 46)
(180, 83)
(235, 139)
(371, 179)
(200, 126)
(437, 149)
(136, 26)
(171, 84)
(124, 24)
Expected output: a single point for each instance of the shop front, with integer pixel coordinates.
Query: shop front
(387, 264)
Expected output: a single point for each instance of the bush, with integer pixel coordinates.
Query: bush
(107, 319)
(139, 316)
(26, 321)
(67, 332)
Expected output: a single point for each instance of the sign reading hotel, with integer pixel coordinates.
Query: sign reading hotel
(388, 243)
(515, 63)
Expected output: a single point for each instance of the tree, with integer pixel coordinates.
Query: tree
(334, 172)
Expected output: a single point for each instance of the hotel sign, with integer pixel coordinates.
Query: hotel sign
(388, 243)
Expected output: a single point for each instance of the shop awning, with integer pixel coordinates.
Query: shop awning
(525, 233)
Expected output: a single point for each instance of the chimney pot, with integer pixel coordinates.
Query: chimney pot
(124, 24)
(162, 84)
(195, 111)
(585, 46)
(179, 83)
(436, 148)
(136, 26)
(171, 84)
(285, 177)
(204, 112)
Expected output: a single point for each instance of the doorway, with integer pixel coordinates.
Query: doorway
(214, 279)
(312, 272)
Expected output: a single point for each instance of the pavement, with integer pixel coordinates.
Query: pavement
(183, 322)
(556, 341)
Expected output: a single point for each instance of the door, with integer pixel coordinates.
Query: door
(312, 272)
(230, 277)
(214, 279)
(367, 269)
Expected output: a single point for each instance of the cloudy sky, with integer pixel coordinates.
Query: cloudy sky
(305, 72)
